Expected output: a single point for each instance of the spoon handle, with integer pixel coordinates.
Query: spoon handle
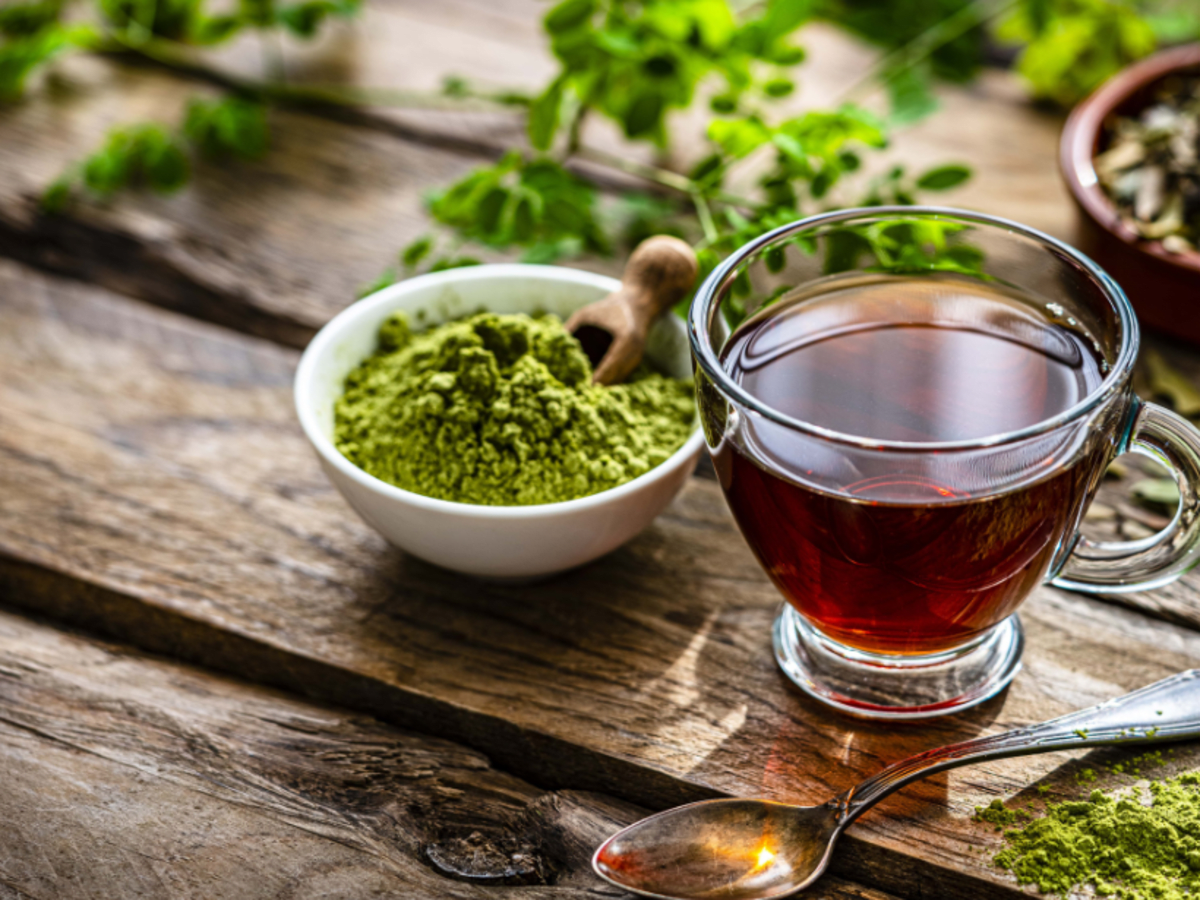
(1168, 710)
(659, 272)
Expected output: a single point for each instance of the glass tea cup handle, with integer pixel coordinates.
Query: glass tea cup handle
(1114, 567)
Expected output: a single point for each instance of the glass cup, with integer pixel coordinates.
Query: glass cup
(903, 562)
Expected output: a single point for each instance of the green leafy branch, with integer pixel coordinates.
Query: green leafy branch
(1063, 49)
(34, 33)
(634, 63)
(32, 36)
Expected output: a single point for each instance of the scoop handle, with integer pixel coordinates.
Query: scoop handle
(659, 272)
(1168, 710)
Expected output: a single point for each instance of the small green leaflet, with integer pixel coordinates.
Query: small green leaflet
(943, 178)
(567, 15)
(21, 56)
(910, 92)
(543, 115)
(228, 127)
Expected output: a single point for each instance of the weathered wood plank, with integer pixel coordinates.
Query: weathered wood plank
(131, 776)
(126, 776)
(245, 246)
(154, 486)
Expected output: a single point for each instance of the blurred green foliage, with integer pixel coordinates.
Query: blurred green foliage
(1064, 48)
(229, 128)
(151, 156)
(633, 63)
(1070, 47)
(897, 23)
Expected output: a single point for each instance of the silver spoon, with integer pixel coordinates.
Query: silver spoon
(758, 849)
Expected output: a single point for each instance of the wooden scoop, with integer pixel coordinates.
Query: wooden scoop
(613, 330)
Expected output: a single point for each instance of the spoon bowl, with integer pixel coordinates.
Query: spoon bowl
(727, 849)
(760, 850)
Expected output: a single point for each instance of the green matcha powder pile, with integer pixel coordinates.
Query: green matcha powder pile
(1131, 847)
(499, 410)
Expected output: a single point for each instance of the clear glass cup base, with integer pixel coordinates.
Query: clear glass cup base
(876, 686)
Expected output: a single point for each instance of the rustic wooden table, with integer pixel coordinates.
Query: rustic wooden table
(364, 724)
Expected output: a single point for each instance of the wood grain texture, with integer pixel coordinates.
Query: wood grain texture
(128, 776)
(154, 486)
(274, 248)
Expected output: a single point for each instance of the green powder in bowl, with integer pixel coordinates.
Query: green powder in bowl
(499, 410)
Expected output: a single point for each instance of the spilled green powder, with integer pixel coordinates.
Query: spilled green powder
(1131, 847)
(499, 410)
(995, 813)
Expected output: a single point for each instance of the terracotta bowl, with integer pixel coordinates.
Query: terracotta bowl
(1164, 287)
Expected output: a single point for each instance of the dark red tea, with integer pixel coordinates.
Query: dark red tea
(892, 561)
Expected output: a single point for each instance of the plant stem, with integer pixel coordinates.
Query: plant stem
(925, 44)
(664, 177)
(575, 133)
(272, 44)
(704, 214)
(167, 53)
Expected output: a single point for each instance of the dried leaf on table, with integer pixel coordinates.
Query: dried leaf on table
(1157, 494)
(1150, 166)
(1134, 531)
(1150, 193)
(1164, 381)
(1099, 512)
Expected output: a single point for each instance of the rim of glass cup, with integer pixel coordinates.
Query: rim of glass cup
(723, 275)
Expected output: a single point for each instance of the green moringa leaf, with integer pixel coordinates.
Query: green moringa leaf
(544, 115)
(25, 19)
(738, 137)
(229, 127)
(412, 255)
(910, 92)
(20, 57)
(567, 15)
(779, 87)
(643, 115)
(212, 30)
(943, 178)
(56, 197)
(785, 16)
(144, 155)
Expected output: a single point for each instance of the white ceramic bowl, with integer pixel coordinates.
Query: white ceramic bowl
(488, 541)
